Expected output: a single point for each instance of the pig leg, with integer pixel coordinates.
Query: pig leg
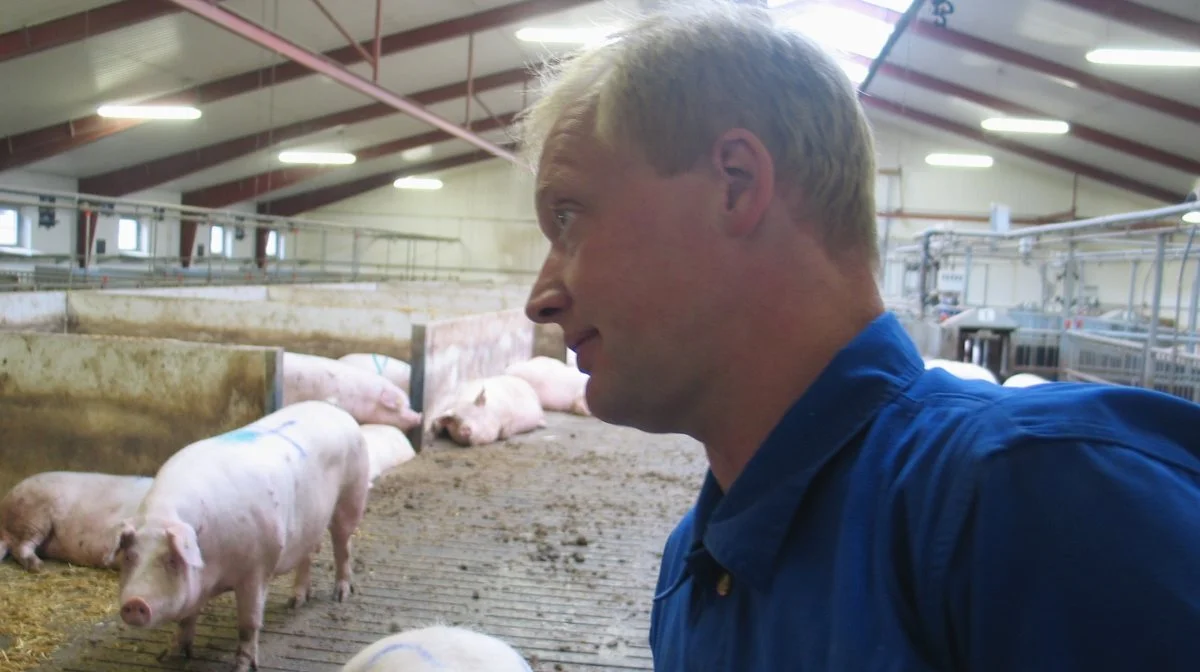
(26, 554)
(251, 602)
(303, 583)
(345, 520)
(183, 639)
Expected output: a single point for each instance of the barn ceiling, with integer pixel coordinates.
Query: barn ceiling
(1130, 128)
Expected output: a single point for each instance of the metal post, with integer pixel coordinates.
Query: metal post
(470, 78)
(967, 279)
(1192, 328)
(923, 276)
(1155, 308)
(1192, 309)
(1068, 285)
(986, 273)
(324, 248)
(1133, 276)
(378, 41)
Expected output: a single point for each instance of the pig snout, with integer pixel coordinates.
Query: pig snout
(136, 612)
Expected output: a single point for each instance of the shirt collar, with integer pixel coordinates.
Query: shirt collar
(744, 529)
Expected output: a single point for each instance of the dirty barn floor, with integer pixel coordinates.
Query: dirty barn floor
(550, 541)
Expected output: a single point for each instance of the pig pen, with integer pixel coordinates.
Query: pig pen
(550, 540)
(322, 320)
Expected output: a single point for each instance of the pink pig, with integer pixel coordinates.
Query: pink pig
(369, 397)
(67, 515)
(233, 511)
(559, 387)
(488, 409)
(396, 370)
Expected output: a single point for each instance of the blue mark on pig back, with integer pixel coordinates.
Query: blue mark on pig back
(380, 364)
(405, 646)
(248, 435)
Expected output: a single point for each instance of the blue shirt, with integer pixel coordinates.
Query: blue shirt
(904, 519)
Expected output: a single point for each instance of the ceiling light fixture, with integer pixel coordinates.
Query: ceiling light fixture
(423, 183)
(1192, 217)
(318, 158)
(959, 160)
(1015, 125)
(841, 30)
(585, 36)
(857, 72)
(148, 112)
(1162, 58)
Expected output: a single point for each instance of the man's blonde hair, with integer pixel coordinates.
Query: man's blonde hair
(673, 82)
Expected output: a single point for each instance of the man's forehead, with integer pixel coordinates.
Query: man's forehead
(571, 147)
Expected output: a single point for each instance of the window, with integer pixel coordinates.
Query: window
(216, 240)
(129, 235)
(274, 245)
(10, 228)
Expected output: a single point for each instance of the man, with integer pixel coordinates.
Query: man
(705, 182)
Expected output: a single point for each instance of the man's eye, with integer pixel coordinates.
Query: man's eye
(563, 218)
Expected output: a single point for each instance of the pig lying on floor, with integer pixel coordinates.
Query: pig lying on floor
(487, 409)
(438, 647)
(232, 511)
(559, 387)
(67, 516)
(369, 397)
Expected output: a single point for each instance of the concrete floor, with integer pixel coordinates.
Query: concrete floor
(550, 541)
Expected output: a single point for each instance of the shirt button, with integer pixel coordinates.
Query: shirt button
(724, 584)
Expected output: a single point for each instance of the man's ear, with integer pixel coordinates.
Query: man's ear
(747, 172)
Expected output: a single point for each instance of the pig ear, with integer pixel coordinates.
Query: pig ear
(184, 545)
(389, 398)
(482, 398)
(124, 534)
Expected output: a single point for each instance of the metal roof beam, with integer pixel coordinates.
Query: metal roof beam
(24, 148)
(319, 198)
(1141, 16)
(1081, 131)
(1062, 163)
(145, 175)
(317, 63)
(248, 188)
(79, 26)
(953, 38)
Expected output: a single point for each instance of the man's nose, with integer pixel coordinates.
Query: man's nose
(548, 299)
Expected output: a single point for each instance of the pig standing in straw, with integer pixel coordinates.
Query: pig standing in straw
(68, 516)
(232, 511)
(438, 647)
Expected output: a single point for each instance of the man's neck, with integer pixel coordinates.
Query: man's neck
(767, 379)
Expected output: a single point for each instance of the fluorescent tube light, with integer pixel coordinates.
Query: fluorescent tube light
(1015, 125)
(857, 72)
(425, 183)
(1192, 217)
(1146, 57)
(417, 153)
(548, 35)
(319, 158)
(839, 29)
(959, 160)
(148, 112)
